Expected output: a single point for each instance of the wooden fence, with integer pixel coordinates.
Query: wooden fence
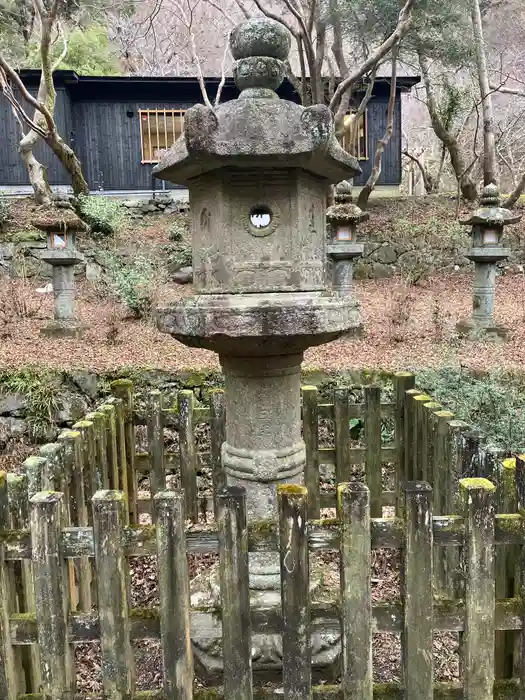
(100, 454)
(110, 542)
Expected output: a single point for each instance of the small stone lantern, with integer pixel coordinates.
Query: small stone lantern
(62, 255)
(487, 225)
(343, 217)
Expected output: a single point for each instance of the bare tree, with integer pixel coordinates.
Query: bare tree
(42, 124)
(490, 164)
(366, 191)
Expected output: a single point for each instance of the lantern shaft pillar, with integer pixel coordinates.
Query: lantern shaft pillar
(483, 294)
(64, 292)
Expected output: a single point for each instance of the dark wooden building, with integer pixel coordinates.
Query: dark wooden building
(118, 126)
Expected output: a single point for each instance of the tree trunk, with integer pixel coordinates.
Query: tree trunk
(364, 195)
(518, 191)
(490, 164)
(37, 174)
(461, 170)
(428, 180)
(69, 160)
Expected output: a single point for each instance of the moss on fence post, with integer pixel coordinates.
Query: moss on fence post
(123, 390)
(217, 438)
(403, 382)
(188, 457)
(155, 430)
(8, 665)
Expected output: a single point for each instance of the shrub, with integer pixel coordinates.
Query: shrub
(133, 282)
(179, 256)
(494, 404)
(178, 230)
(41, 392)
(103, 214)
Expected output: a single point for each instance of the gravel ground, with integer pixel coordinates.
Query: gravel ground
(406, 327)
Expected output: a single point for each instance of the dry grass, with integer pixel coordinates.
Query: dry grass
(405, 327)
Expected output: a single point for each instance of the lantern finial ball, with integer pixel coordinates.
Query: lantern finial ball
(490, 196)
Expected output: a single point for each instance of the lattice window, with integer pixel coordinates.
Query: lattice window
(358, 144)
(159, 129)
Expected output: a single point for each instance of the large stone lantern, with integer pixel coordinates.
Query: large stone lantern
(258, 171)
(62, 254)
(487, 225)
(343, 218)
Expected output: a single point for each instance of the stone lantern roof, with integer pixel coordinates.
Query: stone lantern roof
(344, 210)
(64, 220)
(491, 214)
(258, 129)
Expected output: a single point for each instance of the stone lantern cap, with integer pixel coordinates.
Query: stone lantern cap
(344, 210)
(258, 129)
(491, 214)
(53, 221)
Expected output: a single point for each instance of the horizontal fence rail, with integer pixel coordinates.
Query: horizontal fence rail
(478, 614)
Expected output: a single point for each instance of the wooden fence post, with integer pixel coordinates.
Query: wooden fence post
(410, 433)
(420, 446)
(235, 594)
(373, 465)
(57, 474)
(188, 457)
(417, 592)
(8, 665)
(443, 556)
(356, 590)
(120, 428)
(341, 435)
(217, 437)
(22, 571)
(174, 594)
(111, 443)
(50, 575)
(157, 475)
(295, 598)
(123, 390)
(403, 381)
(101, 448)
(310, 400)
(478, 641)
(429, 436)
(80, 591)
(109, 518)
(506, 562)
(86, 429)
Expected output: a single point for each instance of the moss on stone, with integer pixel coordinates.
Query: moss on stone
(474, 483)
(144, 613)
(292, 490)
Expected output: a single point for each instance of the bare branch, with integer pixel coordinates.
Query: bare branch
(399, 32)
(223, 71)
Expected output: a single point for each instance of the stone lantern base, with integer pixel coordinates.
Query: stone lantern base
(468, 328)
(61, 329)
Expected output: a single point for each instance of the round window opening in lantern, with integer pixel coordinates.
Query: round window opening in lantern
(491, 236)
(260, 217)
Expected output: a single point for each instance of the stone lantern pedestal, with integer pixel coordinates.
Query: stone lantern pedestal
(487, 225)
(62, 255)
(258, 171)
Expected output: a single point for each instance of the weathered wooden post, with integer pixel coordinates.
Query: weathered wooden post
(295, 598)
(258, 171)
(8, 664)
(478, 641)
(174, 594)
(235, 594)
(356, 590)
(52, 601)
(123, 390)
(403, 382)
